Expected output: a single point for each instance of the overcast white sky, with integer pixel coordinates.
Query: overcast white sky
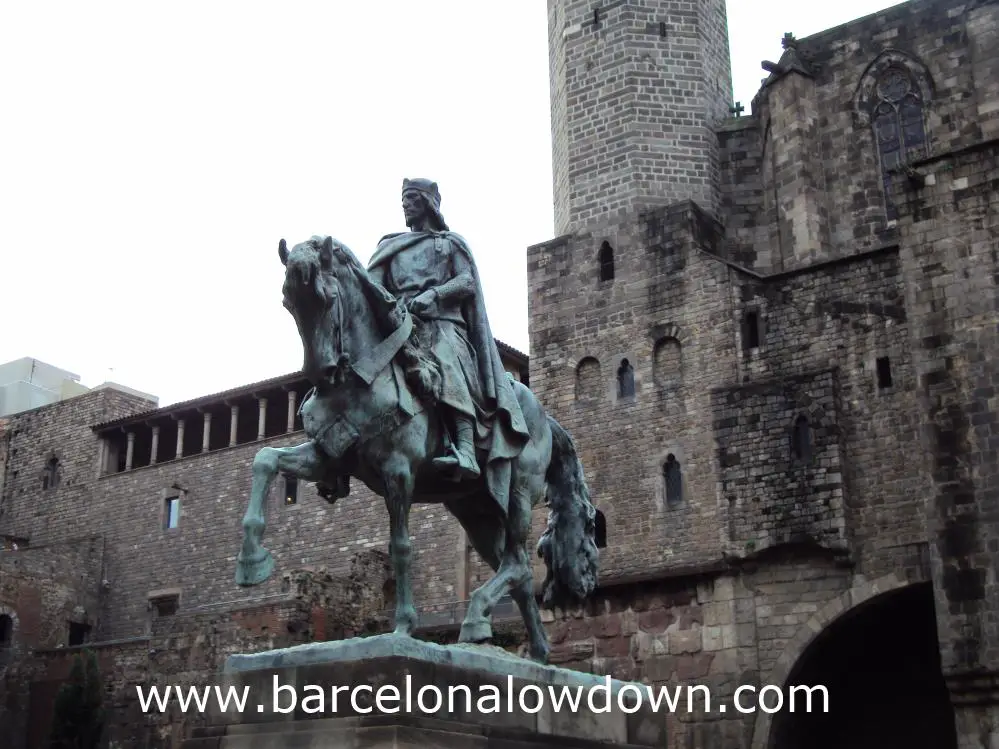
(153, 154)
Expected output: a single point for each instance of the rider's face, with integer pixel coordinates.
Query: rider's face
(413, 207)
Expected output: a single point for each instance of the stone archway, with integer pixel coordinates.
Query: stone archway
(875, 649)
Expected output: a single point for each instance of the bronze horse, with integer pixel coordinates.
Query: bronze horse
(365, 419)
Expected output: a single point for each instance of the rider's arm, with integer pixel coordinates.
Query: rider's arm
(462, 283)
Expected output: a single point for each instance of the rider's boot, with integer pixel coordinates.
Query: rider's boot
(462, 456)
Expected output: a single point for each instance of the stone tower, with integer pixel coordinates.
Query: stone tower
(625, 309)
(635, 91)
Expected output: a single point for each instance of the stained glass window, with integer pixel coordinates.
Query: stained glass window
(898, 126)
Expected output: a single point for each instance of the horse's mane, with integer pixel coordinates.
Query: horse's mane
(422, 369)
(386, 306)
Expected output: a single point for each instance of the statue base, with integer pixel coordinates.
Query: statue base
(395, 691)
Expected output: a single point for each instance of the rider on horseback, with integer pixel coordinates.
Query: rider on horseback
(432, 270)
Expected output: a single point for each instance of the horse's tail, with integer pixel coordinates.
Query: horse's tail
(568, 544)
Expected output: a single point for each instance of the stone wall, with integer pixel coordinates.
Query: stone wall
(667, 316)
(819, 190)
(949, 224)
(187, 650)
(781, 463)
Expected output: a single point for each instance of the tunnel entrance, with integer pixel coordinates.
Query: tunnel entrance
(881, 666)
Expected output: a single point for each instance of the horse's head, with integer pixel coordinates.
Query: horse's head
(313, 294)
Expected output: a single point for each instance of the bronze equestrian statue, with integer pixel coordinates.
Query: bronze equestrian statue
(410, 398)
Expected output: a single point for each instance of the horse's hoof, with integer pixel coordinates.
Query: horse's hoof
(476, 631)
(254, 571)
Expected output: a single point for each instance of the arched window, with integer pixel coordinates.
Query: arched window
(899, 130)
(6, 630)
(801, 440)
(588, 379)
(50, 477)
(673, 481)
(667, 361)
(605, 258)
(600, 530)
(625, 380)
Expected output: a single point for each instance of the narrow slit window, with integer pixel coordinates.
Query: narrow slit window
(884, 372)
(751, 330)
(625, 379)
(171, 513)
(600, 530)
(801, 440)
(50, 478)
(290, 490)
(673, 481)
(606, 260)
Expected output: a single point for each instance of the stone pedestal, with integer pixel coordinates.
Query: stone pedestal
(390, 691)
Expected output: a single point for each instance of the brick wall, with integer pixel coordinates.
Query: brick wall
(43, 590)
(635, 94)
(188, 650)
(60, 430)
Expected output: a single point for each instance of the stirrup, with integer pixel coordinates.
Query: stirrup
(464, 465)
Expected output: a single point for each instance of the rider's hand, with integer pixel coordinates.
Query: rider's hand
(423, 302)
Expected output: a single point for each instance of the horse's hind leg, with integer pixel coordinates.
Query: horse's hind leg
(522, 590)
(508, 542)
(488, 538)
(255, 563)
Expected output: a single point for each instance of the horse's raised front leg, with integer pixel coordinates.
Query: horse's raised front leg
(255, 563)
(399, 485)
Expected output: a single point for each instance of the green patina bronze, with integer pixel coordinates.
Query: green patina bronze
(410, 398)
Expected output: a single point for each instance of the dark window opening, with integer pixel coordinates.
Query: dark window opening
(751, 330)
(801, 440)
(78, 633)
(166, 449)
(50, 478)
(884, 372)
(6, 630)
(276, 417)
(171, 513)
(600, 530)
(625, 380)
(193, 426)
(290, 490)
(673, 480)
(165, 606)
(606, 260)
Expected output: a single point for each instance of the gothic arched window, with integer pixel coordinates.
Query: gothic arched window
(801, 440)
(606, 260)
(897, 118)
(600, 530)
(625, 380)
(50, 477)
(673, 481)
